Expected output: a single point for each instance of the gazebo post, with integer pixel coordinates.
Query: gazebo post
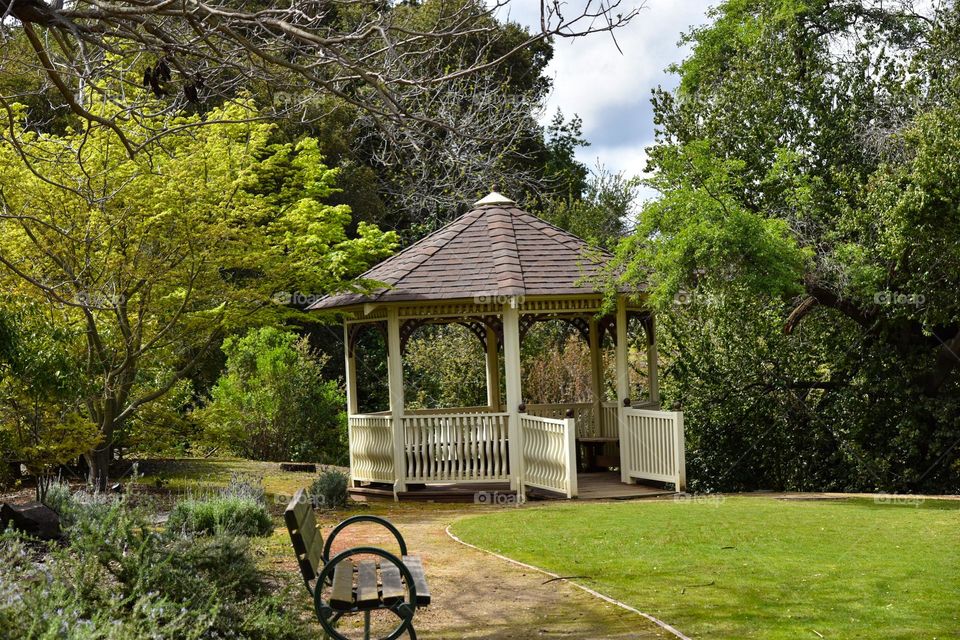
(511, 360)
(350, 381)
(623, 380)
(395, 377)
(596, 375)
(493, 371)
(653, 362)
(350, 372)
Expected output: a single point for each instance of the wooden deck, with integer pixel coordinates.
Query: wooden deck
(602, 485)
(606, 485)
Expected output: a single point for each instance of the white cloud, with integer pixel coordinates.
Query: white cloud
(610, 91)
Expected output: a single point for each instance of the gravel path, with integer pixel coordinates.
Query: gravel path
(478, 596)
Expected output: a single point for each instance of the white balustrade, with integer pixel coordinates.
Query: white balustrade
(549, 457)
(429, 412)
(458, 447)
(582, 413)
(371, 448)
(473, 446)
(652, 446)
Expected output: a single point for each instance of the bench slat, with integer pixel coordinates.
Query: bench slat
(419, 579)
(315, 558)
(301, 506)
(368, 596)
(312, 541)
(306, 538)
(341, 596)
(294, 516)
(393, 589)
(308, 530)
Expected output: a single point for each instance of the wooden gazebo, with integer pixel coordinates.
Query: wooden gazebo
(496, 270)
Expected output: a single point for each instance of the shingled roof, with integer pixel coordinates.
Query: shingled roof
(495, 249)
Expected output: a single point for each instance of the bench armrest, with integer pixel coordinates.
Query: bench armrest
(364, 518)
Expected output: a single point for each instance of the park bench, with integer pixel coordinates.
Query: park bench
(341, 586)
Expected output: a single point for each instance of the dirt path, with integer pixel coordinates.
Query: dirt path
(478, 596)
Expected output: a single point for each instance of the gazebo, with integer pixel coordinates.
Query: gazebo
(496, 270)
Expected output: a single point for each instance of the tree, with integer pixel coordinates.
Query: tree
(394, 62)
(444, 367)
(809, 161)
(153, 258)
(272, 402)
(600, 212)
(39, 390)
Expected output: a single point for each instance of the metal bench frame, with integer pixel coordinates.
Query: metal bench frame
(318, 571)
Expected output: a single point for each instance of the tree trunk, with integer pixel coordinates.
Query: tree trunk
(99, 463)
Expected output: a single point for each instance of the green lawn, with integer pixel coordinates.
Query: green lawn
(750, 567)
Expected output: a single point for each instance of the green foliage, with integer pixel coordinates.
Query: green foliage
(599, 211)
(272, 403)
(118, 579)
(329, 490)
(444, 366)
(9, 470)
(164, 427)
(750, 416)
(59, 497)
(808, 175)
(40, 418)
(239, 509)
(220, 515)
(698, 234)
(181, 244)
(566, 177)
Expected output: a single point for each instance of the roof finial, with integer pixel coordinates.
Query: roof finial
(493, 198)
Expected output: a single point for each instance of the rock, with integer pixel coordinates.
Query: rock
(32, 518)
(305, 467)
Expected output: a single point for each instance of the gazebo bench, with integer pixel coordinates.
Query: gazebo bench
(592, 459)
(392, 583)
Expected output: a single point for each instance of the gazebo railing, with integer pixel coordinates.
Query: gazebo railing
(652, 446)
(608, 419)
(448, 411)
(475, 447)
(582, 413)
(549, 456)
(456, 447)
(371, 448)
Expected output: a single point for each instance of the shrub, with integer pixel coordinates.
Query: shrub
(223, 514)
(117, 578)
(245, 486)
(329, 490)
(59, 498)
(273, 402)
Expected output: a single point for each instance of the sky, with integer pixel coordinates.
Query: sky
(610, 91)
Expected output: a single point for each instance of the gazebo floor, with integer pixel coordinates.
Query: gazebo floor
(602, 485)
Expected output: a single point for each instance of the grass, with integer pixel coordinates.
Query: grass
(753, 567)
(198, 475)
